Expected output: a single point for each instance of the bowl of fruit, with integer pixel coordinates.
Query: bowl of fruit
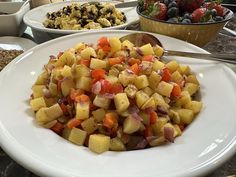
(194, 21)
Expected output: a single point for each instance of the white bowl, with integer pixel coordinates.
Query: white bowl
(35, 18)
(207, 143)
(12, 24)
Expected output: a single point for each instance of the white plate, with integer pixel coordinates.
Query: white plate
(37, 16)
(17, 43)
(208, 142)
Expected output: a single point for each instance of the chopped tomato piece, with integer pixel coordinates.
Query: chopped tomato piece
(75, 92)
(98, 73)
(148, 131)
(85, 62)
(110, 121)
(104, 44)
(114, 61)
(57, 128)
(148, 58)
(166, 75)
(63, 108)
(116, 88)
(153, 117)
(82, 98)
(135, 68)
(176, 91)
(132, 61)
(73, 123)
(106, 48)
(106, 86)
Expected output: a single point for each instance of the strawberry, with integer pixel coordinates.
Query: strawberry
(198, 15)
(215, 5)
(190, 5)
(159, 11)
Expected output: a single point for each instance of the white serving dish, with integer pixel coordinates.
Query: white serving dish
(205, 145)
(35, 18)
(12, 23)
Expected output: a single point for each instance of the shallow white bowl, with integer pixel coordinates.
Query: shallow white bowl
(208, 142)
(12, 23)
(35, 18)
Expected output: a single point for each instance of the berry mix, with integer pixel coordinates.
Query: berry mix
(183, 11)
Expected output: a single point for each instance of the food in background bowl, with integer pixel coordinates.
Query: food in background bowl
(115, 96)
(183, 11)
(91, 15)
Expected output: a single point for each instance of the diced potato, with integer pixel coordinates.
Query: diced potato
(184, 69)
(81, 70)
(54, 112)
(38, 90)
(66, 132)
(42, 79)
(117, 145)
(56, 74)
(159, 100)
(195, 106)
(172, 66)
(88, 52)
(66, 71)
(98, 64)
(89, 125)
(80, 46)
(177, 130)
(67, 58)
(176, 77)
(192, 79)
(186, 115)
(169, 125)
(77, 136)
(41, 116)
(148, 91)
(114, 72)
(154, 79)
(126, 78)
(111, 79)
(159, 51)
(50, 124)
(147, 49)
(127, 44)
(121, 102)
(191, 88)
(99, 115)
(157, 141)
(158, 65)
(101, 102)
(101, 54)
(150, 103)
(141, 82)
(82, 111)
(131, 125)
(84, 83)
(50, 101)
(53, 89)
(157, 127)
(140, 98)
(115, 44)
(37, 103)
(131, 90)
(164, 88)
(99, 143)
(146, 67)
(174, 116)
(184, 99)
(145, 117)
(66, 86)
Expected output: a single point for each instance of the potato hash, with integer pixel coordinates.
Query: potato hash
(115, 96)
(92, 15)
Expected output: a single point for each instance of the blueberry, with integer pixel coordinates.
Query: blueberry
(172, 4)
(173, 20)
(173, 12)
(218, 18)
(213, 12)
(186, 20)
(166, 2)
(187, 16)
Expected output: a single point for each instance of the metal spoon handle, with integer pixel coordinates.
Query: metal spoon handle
(228, 58)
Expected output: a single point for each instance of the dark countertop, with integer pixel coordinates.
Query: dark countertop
(223, 43)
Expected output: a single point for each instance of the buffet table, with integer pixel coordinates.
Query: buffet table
(224, 42)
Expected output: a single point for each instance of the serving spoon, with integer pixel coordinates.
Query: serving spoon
(139, 39)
